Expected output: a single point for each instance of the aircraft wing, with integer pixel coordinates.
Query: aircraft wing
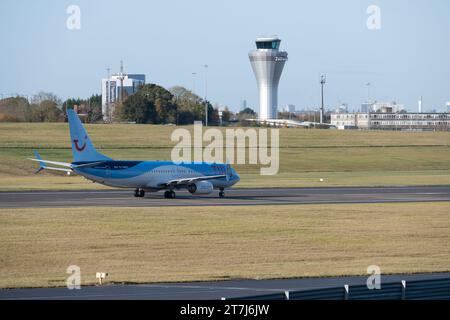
(184, 181)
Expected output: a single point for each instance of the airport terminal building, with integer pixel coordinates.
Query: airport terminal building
(392, 121)
(390, 116)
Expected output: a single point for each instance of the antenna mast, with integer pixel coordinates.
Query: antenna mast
(121, 77)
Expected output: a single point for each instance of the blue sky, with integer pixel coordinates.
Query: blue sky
(169, 40)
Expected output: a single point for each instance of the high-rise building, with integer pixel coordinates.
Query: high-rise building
(243, 104)
(267, 64)
(112, 91)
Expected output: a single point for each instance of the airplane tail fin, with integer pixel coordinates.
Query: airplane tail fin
(82, 147)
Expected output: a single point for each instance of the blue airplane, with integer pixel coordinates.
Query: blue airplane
(142, 176)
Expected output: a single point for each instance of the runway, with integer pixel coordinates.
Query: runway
(234, 197)
(200, 290)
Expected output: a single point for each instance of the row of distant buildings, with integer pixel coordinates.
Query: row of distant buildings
(391, 116)
(267, 62)
(372, 115)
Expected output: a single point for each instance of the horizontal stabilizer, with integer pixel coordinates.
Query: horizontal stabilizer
(54, 168)
(42, 162)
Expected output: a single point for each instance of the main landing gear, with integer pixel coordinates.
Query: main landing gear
(139, 193)
(169, 194)
(221, 193)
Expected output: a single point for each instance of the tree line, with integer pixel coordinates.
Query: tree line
(151, 104)
(47, 107)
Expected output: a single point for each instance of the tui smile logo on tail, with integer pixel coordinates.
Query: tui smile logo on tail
(75, 141)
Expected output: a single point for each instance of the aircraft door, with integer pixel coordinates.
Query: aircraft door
(108, 171)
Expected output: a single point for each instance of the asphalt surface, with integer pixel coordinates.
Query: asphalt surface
(214, 290)
(263, 196)
(200, 290)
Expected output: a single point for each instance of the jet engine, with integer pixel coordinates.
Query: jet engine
(200, 187)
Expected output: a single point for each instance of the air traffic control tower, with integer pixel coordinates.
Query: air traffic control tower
(267, 63)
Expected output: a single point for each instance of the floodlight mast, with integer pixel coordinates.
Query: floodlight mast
(108, 92)
(206, 94)
(322, 83)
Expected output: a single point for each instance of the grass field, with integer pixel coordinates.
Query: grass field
(197, 243)
(201, 243)
(341, 158)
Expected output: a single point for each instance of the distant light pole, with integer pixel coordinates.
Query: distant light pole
(368, 92)
(176, 109)
(369, 107)
(193, 81)
(206, 94)
(322, 83)
(108, 93)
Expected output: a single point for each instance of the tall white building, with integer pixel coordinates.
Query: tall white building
(112, 91)
(267, 64)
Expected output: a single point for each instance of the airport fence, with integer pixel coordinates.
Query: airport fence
(436, 289)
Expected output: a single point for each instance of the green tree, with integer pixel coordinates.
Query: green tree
(71, 102)
(94, 108)
(150, 104)
(213, 117)
(247, 112)
(135, 109)
(226, 115)
(190, 107)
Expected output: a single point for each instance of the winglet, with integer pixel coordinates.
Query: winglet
(41, 164)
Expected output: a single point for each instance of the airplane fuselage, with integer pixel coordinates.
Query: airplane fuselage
(152, 175)
(197, 177)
